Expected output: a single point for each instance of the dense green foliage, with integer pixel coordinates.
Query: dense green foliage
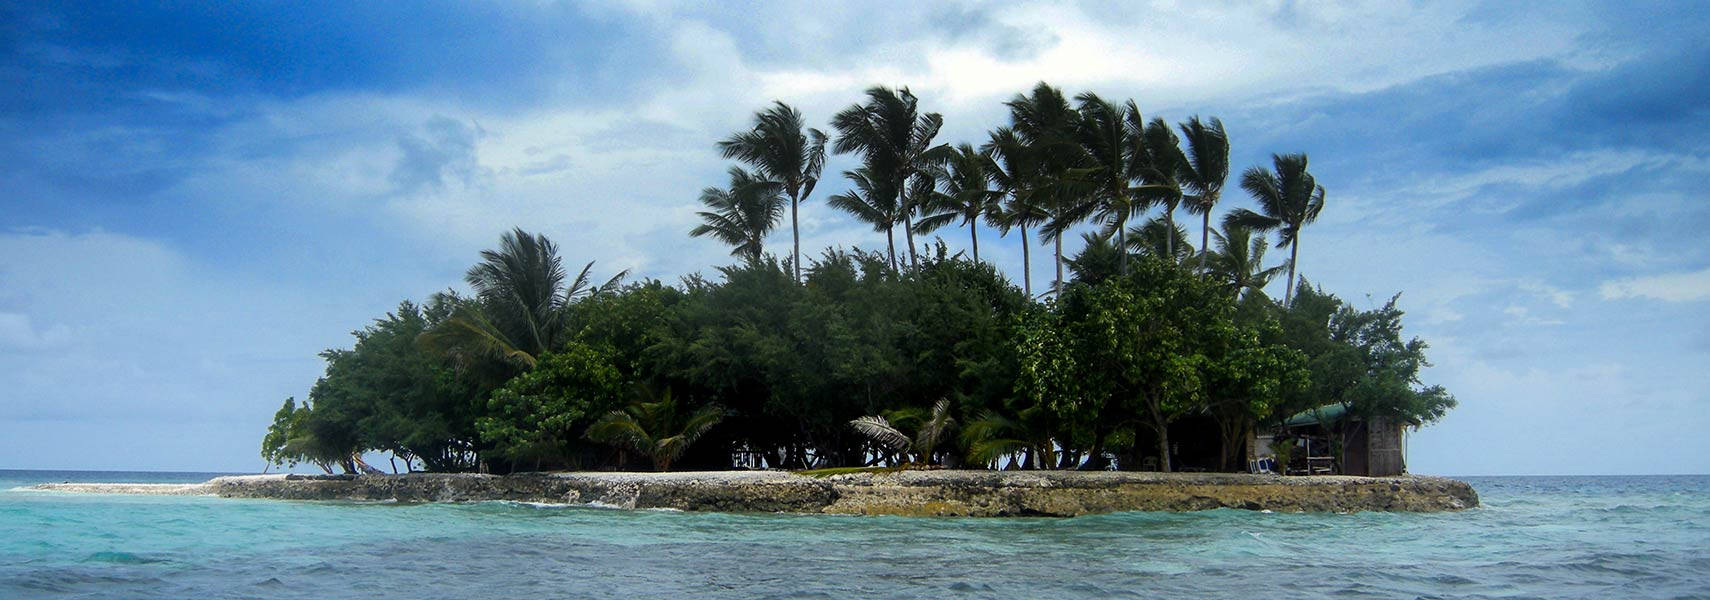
(862, 359)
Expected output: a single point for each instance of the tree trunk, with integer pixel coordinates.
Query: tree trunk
(1204, 241)
(1058, 285)
(908, 228)
(1163, 445)
(974, 233)
(1026, 264)
(1095, 458)
(1170, 232)
(796, 234)
(1122, 241)
(1293, 257)
(891, 246)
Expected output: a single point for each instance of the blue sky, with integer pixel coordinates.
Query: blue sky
(197, 198)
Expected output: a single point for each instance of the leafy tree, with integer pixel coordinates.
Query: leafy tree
(1359, 360)
(1289, 199)
(1056, 391)
(742, 214)
(657, 428)
(1144, 344)
(788, 154)
(288, 441)
(540, 415)
(1251, 374)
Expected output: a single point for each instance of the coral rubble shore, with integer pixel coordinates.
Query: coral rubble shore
(915, 493)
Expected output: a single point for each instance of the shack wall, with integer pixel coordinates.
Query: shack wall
(1383, 449)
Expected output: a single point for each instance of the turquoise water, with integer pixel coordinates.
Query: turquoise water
(1535, 537)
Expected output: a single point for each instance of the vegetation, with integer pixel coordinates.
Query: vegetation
(858, 360)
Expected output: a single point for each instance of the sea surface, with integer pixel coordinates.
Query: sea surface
(1534, 537)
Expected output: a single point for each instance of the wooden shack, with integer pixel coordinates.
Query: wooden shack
(1371, 447)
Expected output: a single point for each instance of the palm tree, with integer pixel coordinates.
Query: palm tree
(895, 141)
(521, 304)
(1101, 188)
(1239, 261)
(1044, 122)
(742, 215)
(784, 152)
(871, 201)
(1015, 170)
(1161, 238)
(1289, 199)
(655, 427)
(1163, 162)
(1098, 259)
(968, 195)
(930, 429)
(1204, 172)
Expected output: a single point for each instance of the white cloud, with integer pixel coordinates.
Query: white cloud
(1672, 287)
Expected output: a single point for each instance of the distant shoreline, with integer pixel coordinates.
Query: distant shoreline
(908, 493)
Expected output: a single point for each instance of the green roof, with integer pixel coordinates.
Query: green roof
(1317, 416)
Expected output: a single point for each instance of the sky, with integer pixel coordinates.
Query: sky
(198, 198)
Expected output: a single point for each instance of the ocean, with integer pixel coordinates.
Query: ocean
(1534, 537)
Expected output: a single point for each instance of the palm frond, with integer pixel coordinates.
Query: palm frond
(880, 432)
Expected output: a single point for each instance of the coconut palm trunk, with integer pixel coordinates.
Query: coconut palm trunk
(974, 235)
(1170, 226)
(1204, 241)
(908, 232)
(891, 246)
(1293, 257)
(1122, 240)
(795, 238)
(1058, 285)
(1026, 264)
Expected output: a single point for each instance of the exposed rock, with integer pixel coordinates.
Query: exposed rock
(918, 493)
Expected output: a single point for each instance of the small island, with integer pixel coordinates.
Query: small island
(1151, 375)
(862, 492)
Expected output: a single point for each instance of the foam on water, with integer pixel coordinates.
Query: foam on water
(1587, 537)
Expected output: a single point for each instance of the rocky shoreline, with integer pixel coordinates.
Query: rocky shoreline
(911, 493)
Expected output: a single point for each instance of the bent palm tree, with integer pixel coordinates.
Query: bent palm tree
(1204, 172)
(787, 153)
(1289, 199)
(871, 201)
(741, 215)
(931, 429)
(894, 140)
(656, 428)
(1015, 170)
(1108, 152)
(1161, 166)
(521, 303)
(1045, 123)
(967, 195)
